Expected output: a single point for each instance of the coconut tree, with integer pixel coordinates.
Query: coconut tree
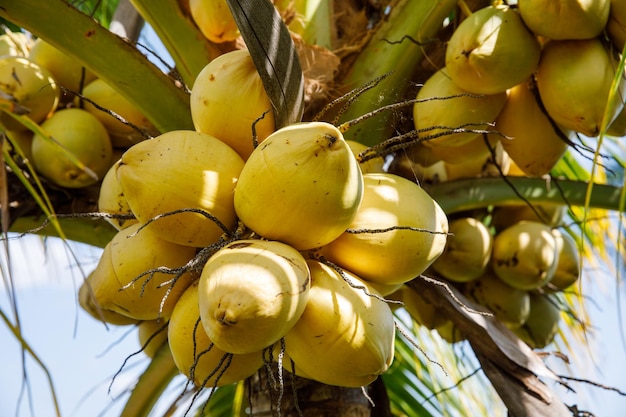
(359, 66)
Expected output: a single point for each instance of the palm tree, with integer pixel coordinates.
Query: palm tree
(381, 50)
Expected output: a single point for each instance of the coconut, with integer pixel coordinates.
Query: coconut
(345, 337)
(491, 50)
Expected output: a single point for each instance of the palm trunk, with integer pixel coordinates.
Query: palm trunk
(294, 396)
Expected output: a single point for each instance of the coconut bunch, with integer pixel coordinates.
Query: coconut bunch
(522, 78)
(250, 244)
(517, 265)
(75, 121)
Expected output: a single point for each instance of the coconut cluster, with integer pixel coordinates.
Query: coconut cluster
(70, 141)
(249, 244)
(521, 81)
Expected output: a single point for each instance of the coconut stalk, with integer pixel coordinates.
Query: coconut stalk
(396, 48)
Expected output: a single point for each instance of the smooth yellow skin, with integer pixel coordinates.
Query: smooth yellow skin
(106, 97)
(542, 323)
(449, 332)
(344, 337)
(467, 251)
(214, 20)
(491, 51)
(469, 111)
(31, 86)
(80, 133)
(568, 269)
(226, 100)
(373, 165)
(301, 186)
(574, 79)
(251, 293)
(87, 301)
(151, 335)
(505, 216)
(565, 19)
(111, 199)
(481, 167)
(129, 255)
(192, 348)
(67, 71)
(509, 305)
(530, 140)
(181, 170)
(525, 255)
(395, 256)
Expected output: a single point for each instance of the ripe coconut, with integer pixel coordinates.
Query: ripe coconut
(251, 293)
(77, 152)
(442, 103)
(111, 199)
(214, 19)
(66, 70)
(574, 80)
(372, 165)
(344, 336)
(117, 281)
(301, 186)
(152, 334)
(568, 269)
(122, 135)
(491, 51)
(86, 299)
(527, 130)
(467, 251)
(228, 113)
(398, 232)
(423, 312)
(494, 163)
(525, 255)
(508, 304)
(196, 356)
(180, 170)
(565, 19)
(31, 86)
(542, 323)
(505, 216)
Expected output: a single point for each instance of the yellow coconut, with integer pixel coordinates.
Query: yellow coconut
(542, 323)
(528, 129)
(78, 133)
(29, 85)
(467, 251)
(443, 103)
(87, 301)
(111, 199)
(491, 50)
(344, 337)
(565, 19)
(493, 163)
(396, 234)
(122, 282)
(66, 70)
(423, 312)
(214, 19)
(525, 255)
(194, 353)
(302, 186)
(505, 216)
(181, 170)
(229, 113)
(122, 135)
(574, 80)
(508, 304)
(372, 165)
(152, 334)
(568, 268)
(251, 293)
